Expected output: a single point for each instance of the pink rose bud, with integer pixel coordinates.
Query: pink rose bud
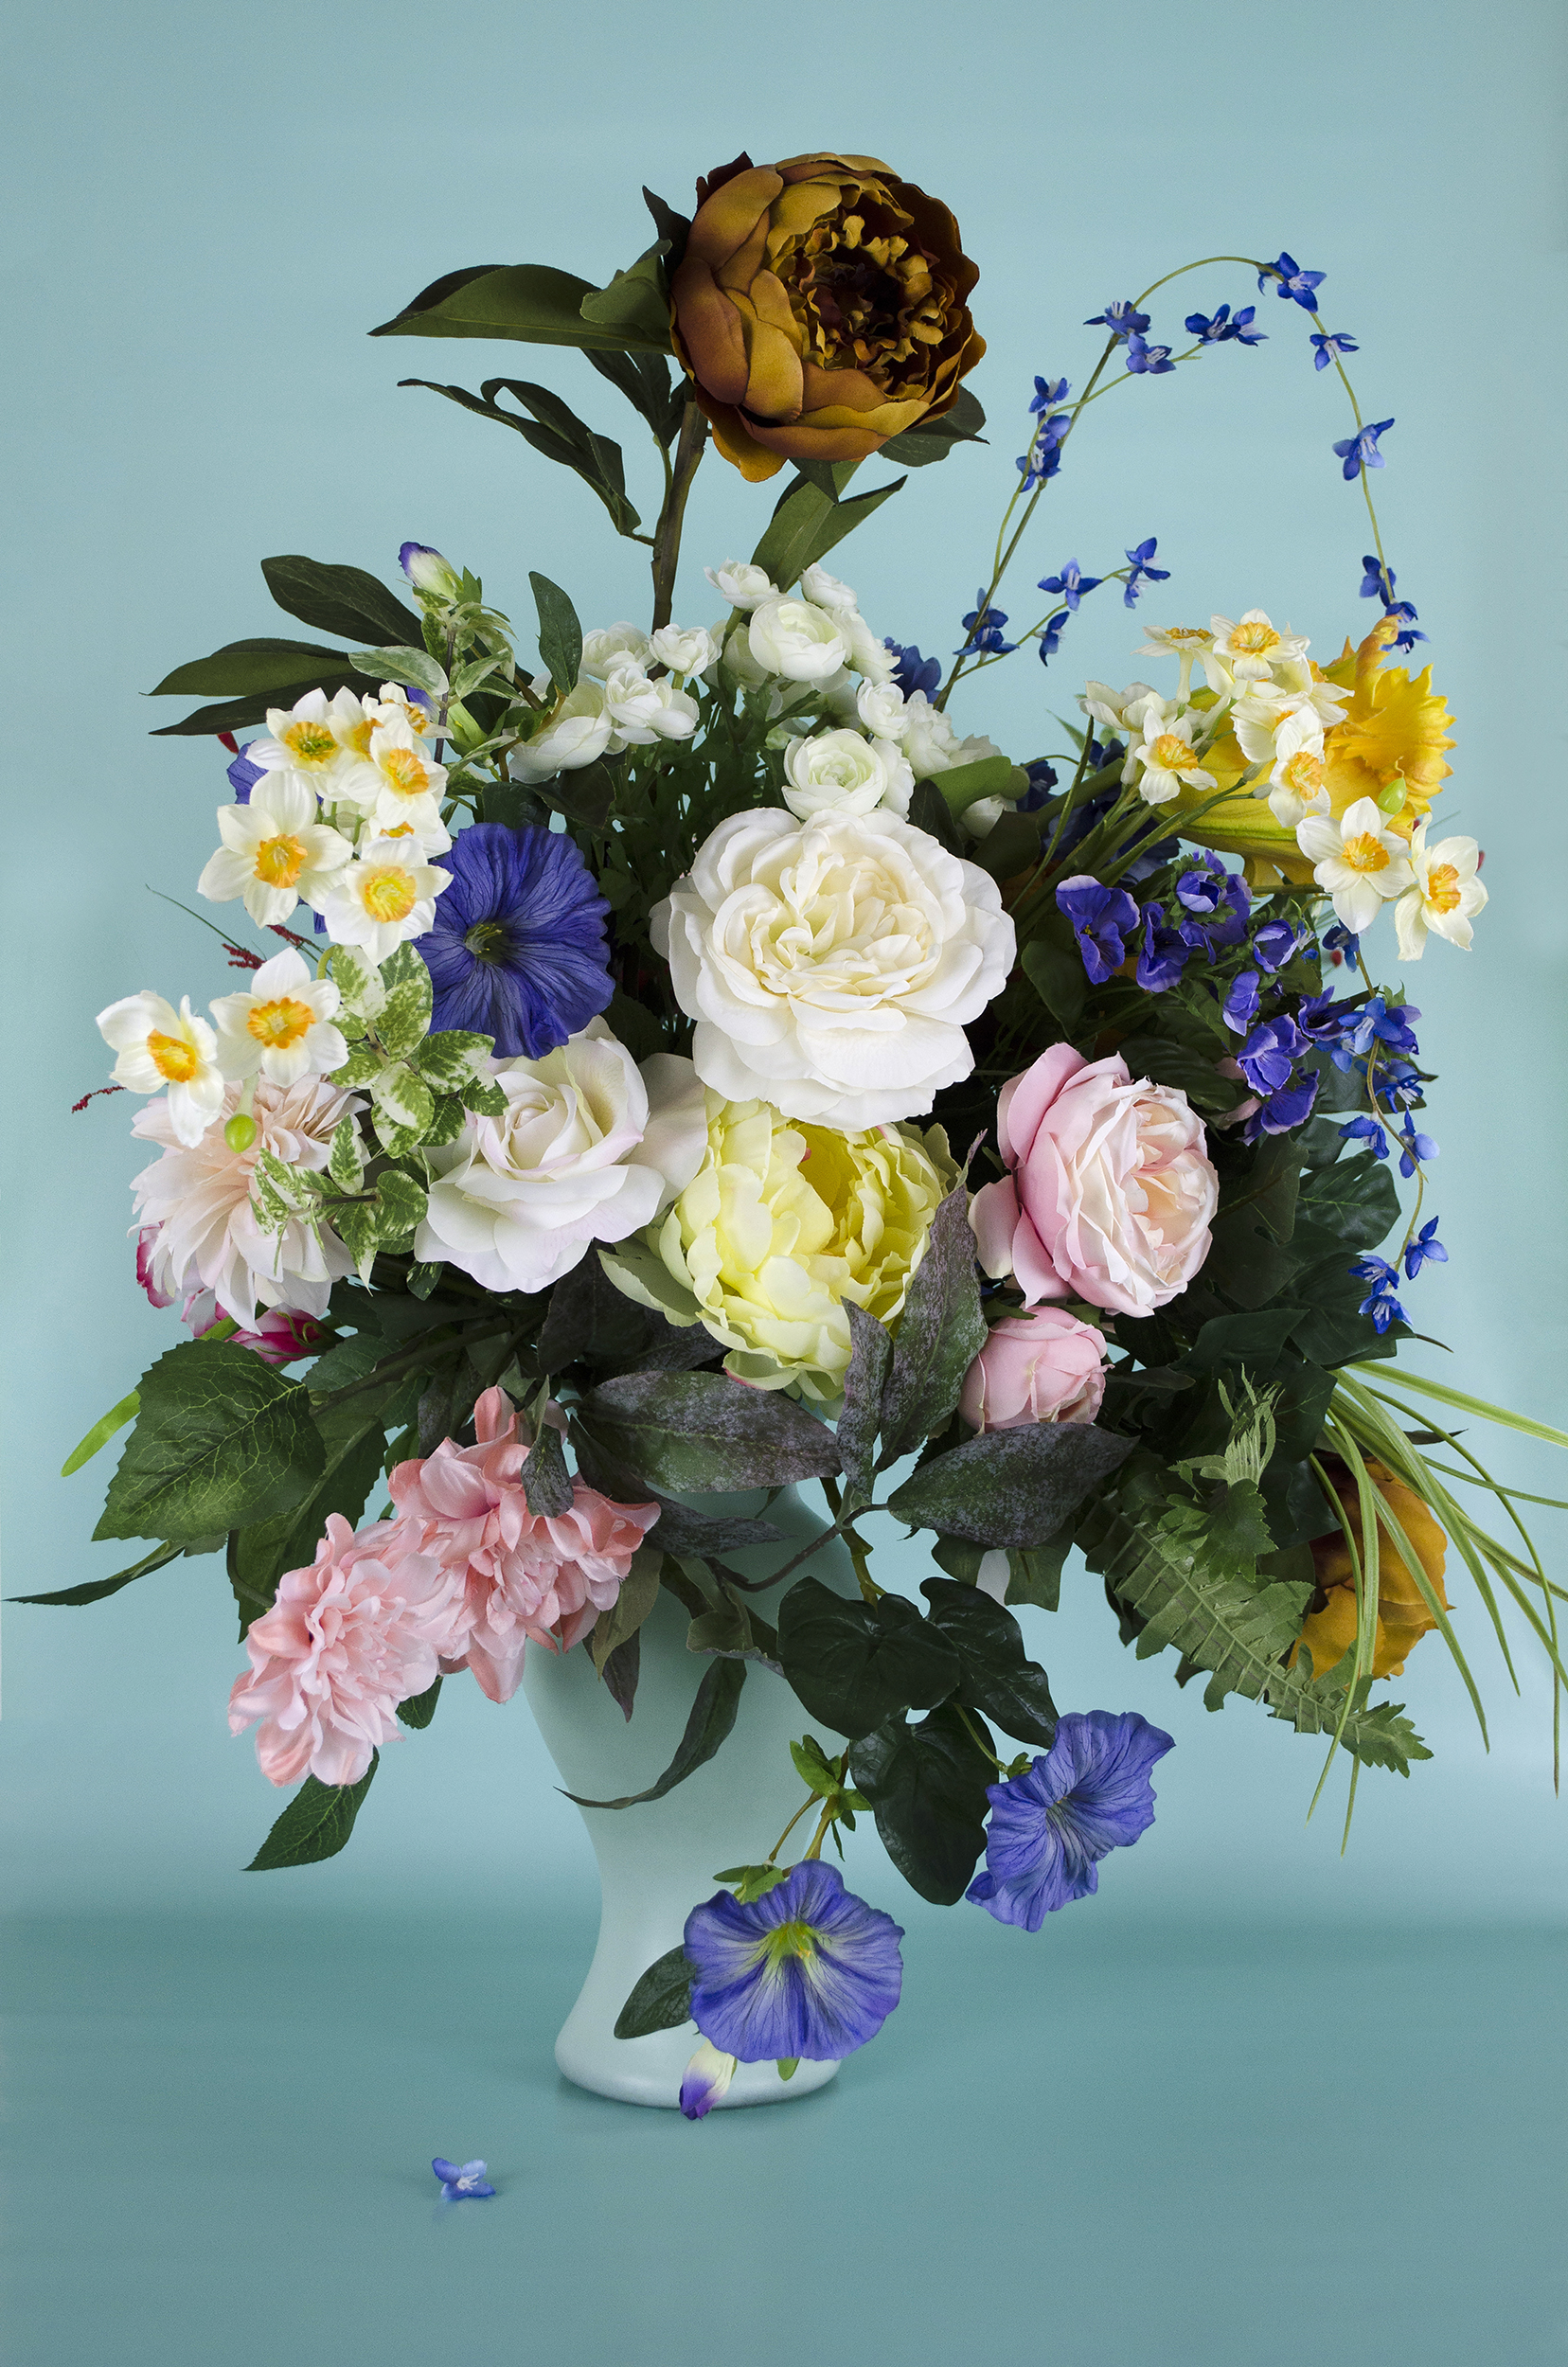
(1044, 1368)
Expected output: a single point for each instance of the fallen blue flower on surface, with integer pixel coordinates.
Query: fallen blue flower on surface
(1050, 1826)
(807, 1971)
(462, 2181)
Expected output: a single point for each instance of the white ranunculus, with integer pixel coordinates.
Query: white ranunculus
(826, 591)
(931, 743)
(798, 640)
(743, 585)
(609, 643)
(590, 1150)
(845, 772)
(576, 733)
(642, 711)
(830, 965)
(882, 709)
(735, 661)
(869, 653)
(685, 648)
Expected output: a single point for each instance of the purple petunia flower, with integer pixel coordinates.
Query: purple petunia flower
(1292, 281)
(915, 672)
(1103, 919)
(1424, 1248)
(1071, 584)
(462, 2181)
(1240, 1008)
(809, 1970)
(1164, 953)
(243, 777)
(1360, 451)
(517, 950)
(1122, 319)
(1050, 1826)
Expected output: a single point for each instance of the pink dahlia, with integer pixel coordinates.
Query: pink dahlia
(521, 1573)
(346, 1641)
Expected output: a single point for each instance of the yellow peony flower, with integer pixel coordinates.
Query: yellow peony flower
(781, 1225)
(1394, 730)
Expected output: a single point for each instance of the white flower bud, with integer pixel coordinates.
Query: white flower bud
(826, 591)
(642, 711)
(742, 585)
(576, 734)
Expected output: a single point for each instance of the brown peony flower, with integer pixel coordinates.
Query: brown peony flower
(1403, 1616)
(820, 308)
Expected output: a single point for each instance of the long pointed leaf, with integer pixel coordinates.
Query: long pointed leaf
(712, 1716)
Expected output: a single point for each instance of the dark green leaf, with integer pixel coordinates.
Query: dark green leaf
(996, 1673)
(94, 1590)
(315, 1825)
(751, 1882)
(964, 785)
(1011, 846)
(586, 795)
(1010, 1486)
(1166, 1063)
(929, 440)
(853, 1664)
(639, 1592)
(341, 600)
(248, 667)
(808, 522)
(712, 1716)
(735, 1633)
(1053, 966)
(1253, 1341)
(1357, 1199)
(353, 1441)
(941, 1331)
(419, 1708)
(591, 1321)
(661, 2001)
(531, 302)
(559, 634)
(546, 1484)
(221, 1439)
(621, 1670)
(871, 1360)
(556, 431)
(703, 1431)
(636, 304)
(926, 1785)
(1034, 1573)
(644, 379)
(930, 811)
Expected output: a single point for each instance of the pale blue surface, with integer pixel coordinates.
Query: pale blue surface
(205, 209)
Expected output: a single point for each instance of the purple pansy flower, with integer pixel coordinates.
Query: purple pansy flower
(807, 1971)
(1292, 281)
(517, 948)
(1050, 1826)
(1360, 451)
(462, 2181)
(1280, 1112)
(1103, 919)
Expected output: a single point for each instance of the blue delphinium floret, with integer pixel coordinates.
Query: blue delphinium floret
(517, 950)
(1377, 582)
(1050, 1826)
(1044, 457)
(1139, 559)
(1380, 1303)
(1223, 330)
(1366, 1130)
(1148, 361)
(1281, 1112)
(983, 625)
(1339, 943)
(1376, 1022)
(1122, 319)
(1049, 394)
(462, 2181)
(1103, 919)
(807, 1971)
(1042, 779)
(1270, 1052)
(913, 672)
(1216, 905)
(1289, 280)
(1328, 346)
(1240, 1008)
(1425, 1247)
(1417, 1149)
(1164, 954)
(1360, 451)
(1050, 635)
(1071, 584)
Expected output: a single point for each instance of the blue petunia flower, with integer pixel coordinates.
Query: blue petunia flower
(1050, 635)
(1360, 451)
(809, 1970)
(1217, 905)
(1381, 1302)
(1050, 1826)
(1103, 919)
(1425, 1247)
(1143, 572)
(1292, 281)
(1071, 585)
(1240, 1008)
(1122, 319)
(517, 950)
(243, 777)
(1146, 360)
(462, 2181)
(1165, 955)
(915, 672)
(983, 625)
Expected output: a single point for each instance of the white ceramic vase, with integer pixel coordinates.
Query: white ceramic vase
(657, 1860)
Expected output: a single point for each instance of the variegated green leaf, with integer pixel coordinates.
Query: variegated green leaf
(405, 1018)
(357, 979)
(346, 1160)
(401, 1106)
(453, 1058)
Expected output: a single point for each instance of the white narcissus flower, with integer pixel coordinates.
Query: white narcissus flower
(576, 734)
(881, 709)
(831, 966)
(159, 1046)
(1284, 731)
(1296, 678)
(1357, 861)
(1162, 759)
(685, 648)
(590, 1149)
(843, 773)
(1182, 642)
(281, 1025)
(1118, 710)
(387, 894)
(1248, 650)
(642, 711)
(396, 785)
(608, 644)
(797, 640)
(1445, 897)
(274, 851)
(743, 585)
(308, 738)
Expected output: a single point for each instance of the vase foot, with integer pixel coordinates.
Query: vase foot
(648, 2071)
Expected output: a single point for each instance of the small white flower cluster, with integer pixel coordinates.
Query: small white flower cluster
(617, 703)
(280, 1028)
(345, 819)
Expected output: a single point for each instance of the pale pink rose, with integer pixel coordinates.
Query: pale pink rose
(1044, 1368)
(346, 1641)
(517, 1574)
(1110, 1194)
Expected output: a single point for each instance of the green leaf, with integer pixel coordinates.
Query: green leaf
(358, 980)
(352, 1440)
(1034, 1573)
(1011, 846)
(853, 1664)
(638, 1593)
(929, 811)
(419, 1708)
(808, 522)
(404, 1018)
(712, 1716)
(251, 666)
(531, 302)
(1052, 965)
(1357, 1199)
(346, 1159)
(1253, 1341)
(870, 1362)
(94, 1590)
(559, 634)
(484, 1097)
(221, 1439)
(705, 1432)
(100, 1433)
(401, 1107)
(545, 1485)
(585, 795)
(661, 2000)
(1011, 1488)
(341, 600)
(403, 663)
(636, 304)
(1167, 1064)
(814, 1768)
(926, 1785)
(996, 1673)
(752, 1882)
(591, 1321)
(556, 431)
(315, 1825)
(452, 1058)
(929, 440)
(941, 1331)
(964, 785)
(644, 379)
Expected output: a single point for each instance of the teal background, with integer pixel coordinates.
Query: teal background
(1256, 2101)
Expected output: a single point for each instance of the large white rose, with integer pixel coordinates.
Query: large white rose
(830, 965)
(798, 640)
(845, 772)
(590, 1149)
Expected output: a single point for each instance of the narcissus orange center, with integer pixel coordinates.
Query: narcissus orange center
(1442, 887)
(1365, 853)
(389, 895)
(406, 773)
(279, 861)
(312, 745)
(281, 1023)
(172, 1057)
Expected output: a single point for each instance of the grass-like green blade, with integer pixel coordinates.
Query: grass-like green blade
(99, 1435)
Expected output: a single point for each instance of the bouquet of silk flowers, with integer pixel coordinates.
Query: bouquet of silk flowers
(662, 1064)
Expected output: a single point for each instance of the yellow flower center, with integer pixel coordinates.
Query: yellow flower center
(1366, 852)
(281, 1023)
(404, 773)
(1303, 773)
(1187, 632)
(1442, 887)
(388, 893)
(1170, 752)
(172, 1057)
(358, 742)
(279, 861)
(790, 1939)
(1253, 640)
(311, 745)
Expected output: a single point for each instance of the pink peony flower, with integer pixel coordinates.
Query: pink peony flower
(346, 1641)
(519, 1574)
(1110, 1194)
(1044, 1368)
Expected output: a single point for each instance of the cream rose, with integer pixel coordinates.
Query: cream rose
(830, 965)
(589, 1149)
(844, 773)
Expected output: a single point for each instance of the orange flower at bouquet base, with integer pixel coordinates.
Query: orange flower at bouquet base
(820, 308)
(1403, 1615)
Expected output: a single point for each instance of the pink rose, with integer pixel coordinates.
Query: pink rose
(1046, 1367)
(517, 1574)
(346, 1641)
(1110, 1194)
